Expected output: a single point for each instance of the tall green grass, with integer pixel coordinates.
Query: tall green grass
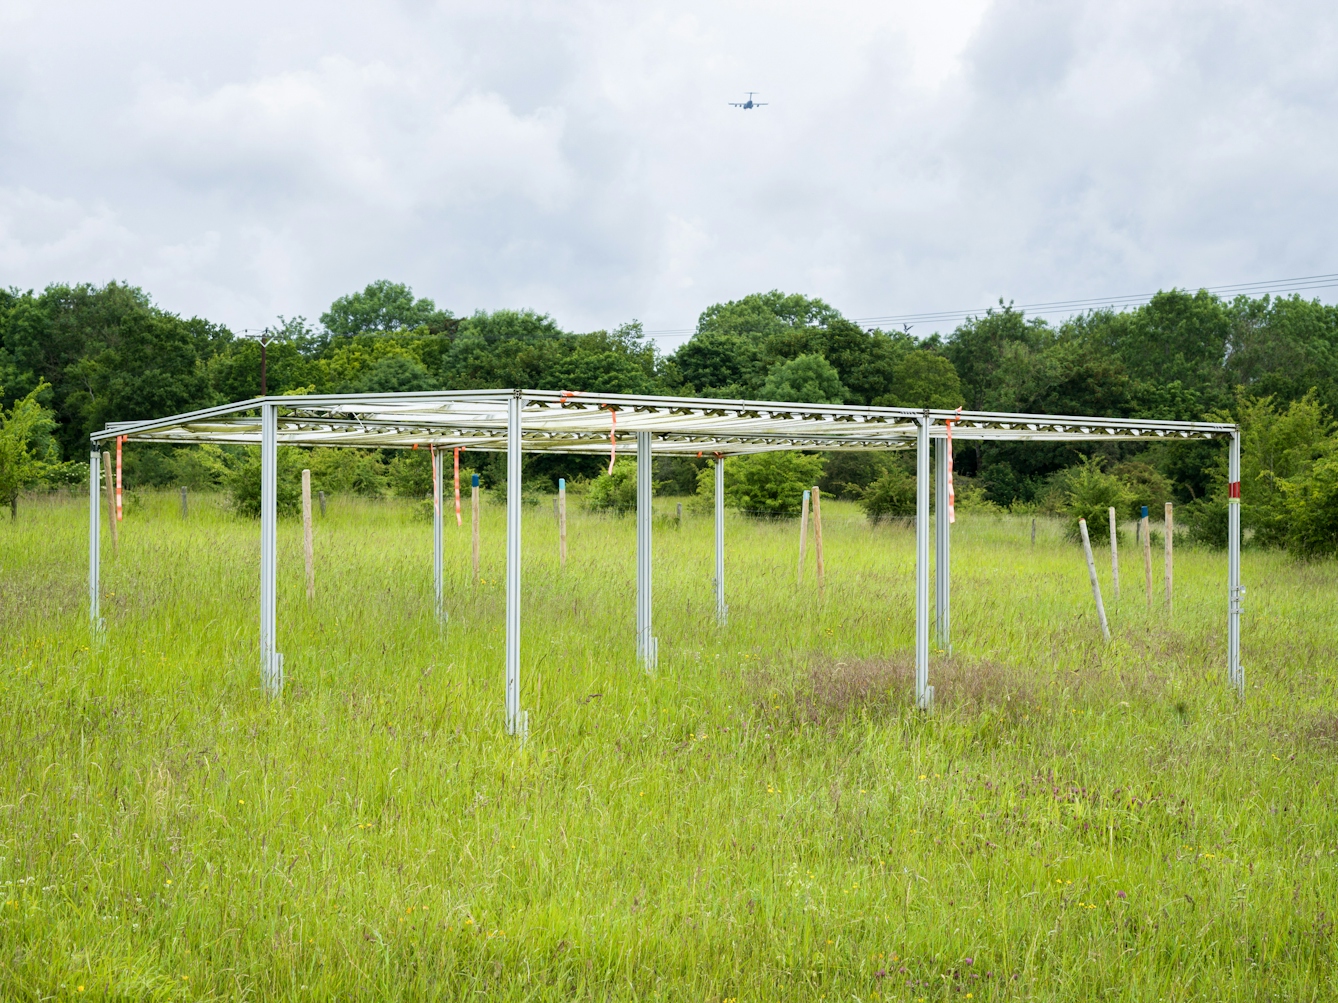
(765, 817)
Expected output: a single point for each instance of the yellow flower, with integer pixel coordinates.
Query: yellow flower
(241, 801)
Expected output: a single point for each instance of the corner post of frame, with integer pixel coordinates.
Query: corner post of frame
(517, 722)
(1235, 592)
(271, 661)
(437, 457)
(95, 539)
(924, 693)
(646, 646)
(942, 550)
(721, 610)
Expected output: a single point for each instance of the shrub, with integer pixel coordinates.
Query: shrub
(767, 484)
(1312, 508)
(891, 496)
(615, 492)
(244, 482)
(1088, 492)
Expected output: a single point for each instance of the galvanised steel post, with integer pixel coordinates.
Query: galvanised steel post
(943, 542)
(924, 693)
(646, 644)
(437, 466)
(1235, 593)
(271, 662)
(721, 610)
(94, 538)
(516, 724)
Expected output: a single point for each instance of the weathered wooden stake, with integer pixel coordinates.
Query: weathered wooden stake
(562, 521)
(322, 504)
(1170, 535)
(474, 520)
(680, 514)
(1033, 532)
(1114, 555)
(111, 502)
(183, 502)
(1147, 555)
(306, 534)
(817, 533)
(803, 534)
(1091, 573)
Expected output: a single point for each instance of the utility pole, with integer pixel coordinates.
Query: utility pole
(264, 337)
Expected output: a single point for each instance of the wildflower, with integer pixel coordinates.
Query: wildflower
(1121, 895)
(241, 801)
(81, 988)
(968, 961)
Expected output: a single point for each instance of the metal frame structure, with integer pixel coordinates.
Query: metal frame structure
(519, 421)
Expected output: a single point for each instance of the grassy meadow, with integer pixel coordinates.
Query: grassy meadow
(766, 817)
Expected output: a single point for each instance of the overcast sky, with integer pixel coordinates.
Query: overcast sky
(243, 160)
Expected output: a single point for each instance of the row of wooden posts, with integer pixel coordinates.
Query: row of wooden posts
(1146, 537)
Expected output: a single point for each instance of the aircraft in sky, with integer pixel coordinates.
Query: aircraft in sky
(750, 103)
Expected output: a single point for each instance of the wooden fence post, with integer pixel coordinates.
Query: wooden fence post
(322, 504)
(817, 533)
(1091, 572)
(184, 511)
(306, 534)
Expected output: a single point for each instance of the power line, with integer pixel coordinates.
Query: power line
(1303, 283)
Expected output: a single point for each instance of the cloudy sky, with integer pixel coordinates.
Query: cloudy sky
(243, 160)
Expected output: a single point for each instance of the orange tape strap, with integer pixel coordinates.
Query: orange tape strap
(952, 494)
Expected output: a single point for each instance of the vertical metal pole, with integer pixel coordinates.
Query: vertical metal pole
(646, 643)
(271, 662)
(721, 610)
(437, 472)
(924, 693)
(516, 724)
(94, 538)
(803, 532)
(1114, 553)
(1235, 592)
(942, 556)
(308, 550)
(562, 522)
(1169, 539)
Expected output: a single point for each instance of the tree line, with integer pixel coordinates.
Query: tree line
(75, 357)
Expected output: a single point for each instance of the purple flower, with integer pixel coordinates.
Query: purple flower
(881, 973)
(1121, 895)
(967, 961)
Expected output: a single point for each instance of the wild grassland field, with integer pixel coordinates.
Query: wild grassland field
(765, 817)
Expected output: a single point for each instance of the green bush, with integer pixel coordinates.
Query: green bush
(1086, 491)
(767, 484)
(891, 496)
(243, 482)
(615, 492)
(1312, 508)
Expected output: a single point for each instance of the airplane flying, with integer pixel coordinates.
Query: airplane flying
(750, 103)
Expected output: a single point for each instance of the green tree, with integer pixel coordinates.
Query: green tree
(807, 378)
(923, 378)
(24, 427)
(383, 307)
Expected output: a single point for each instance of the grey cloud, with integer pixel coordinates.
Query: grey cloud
(245, 160)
